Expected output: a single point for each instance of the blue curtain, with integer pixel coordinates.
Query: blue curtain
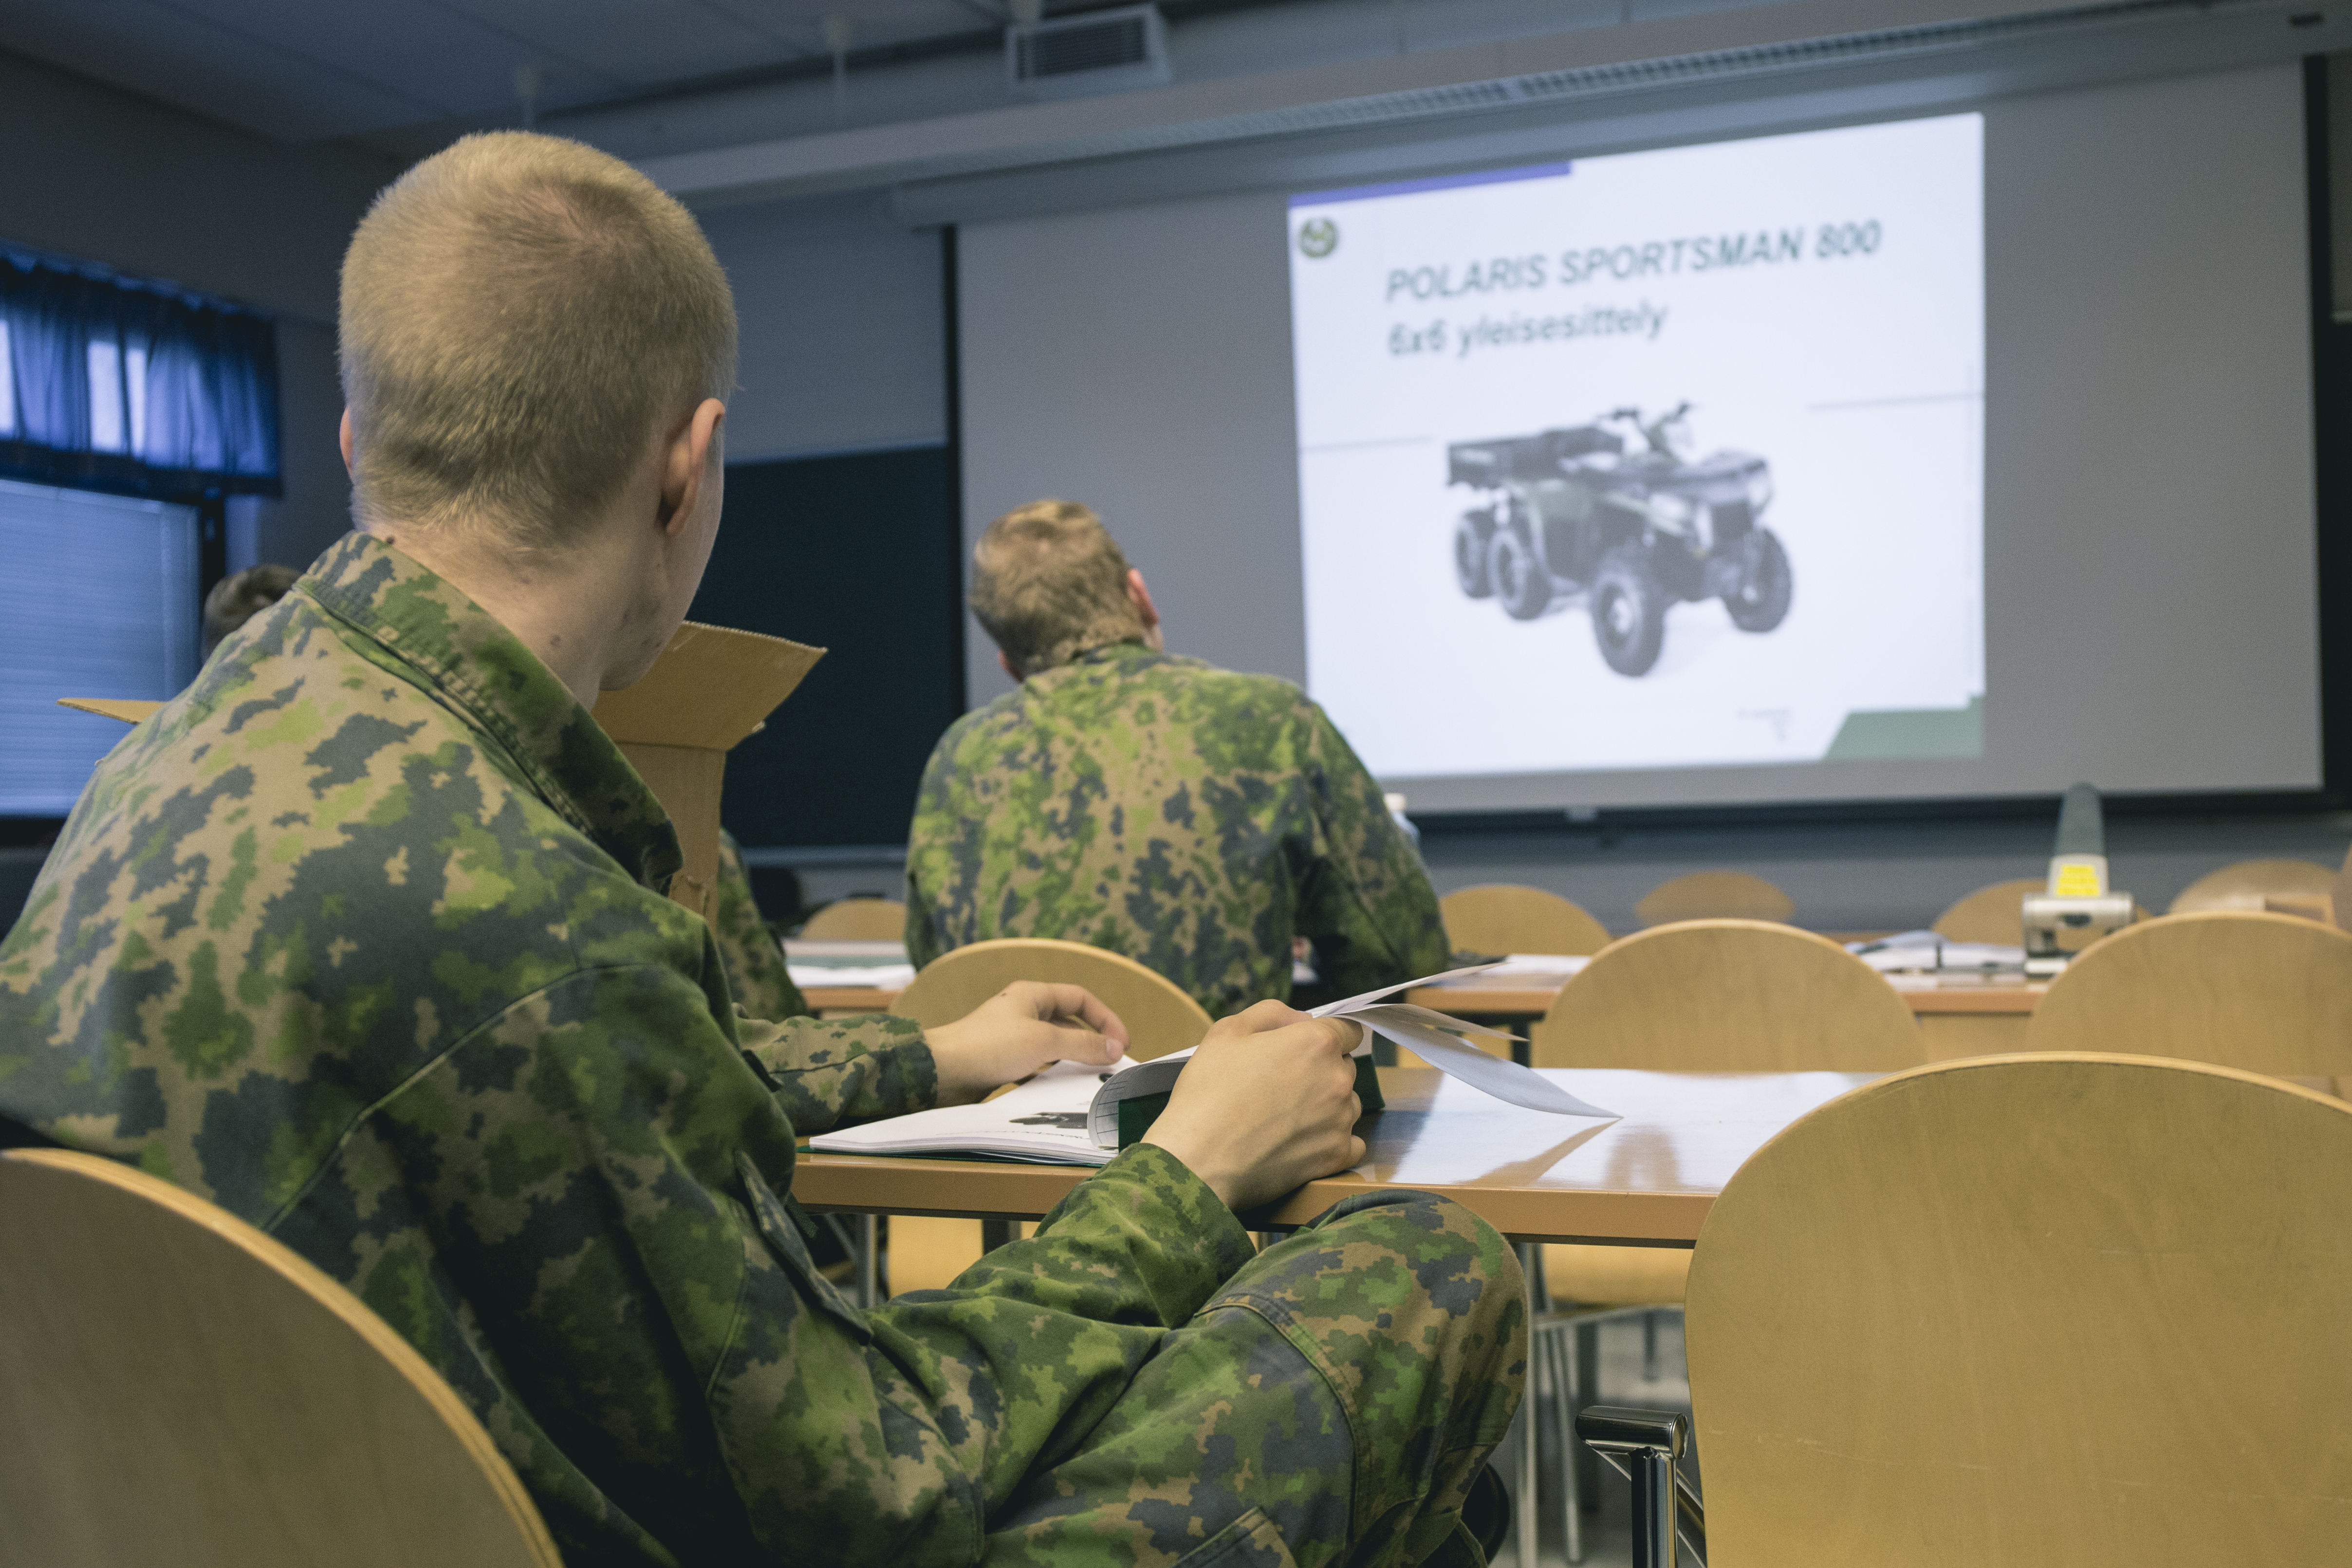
(179, 401)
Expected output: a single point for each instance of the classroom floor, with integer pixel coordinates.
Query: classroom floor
(1607, 1535)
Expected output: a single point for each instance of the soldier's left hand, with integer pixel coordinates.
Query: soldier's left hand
(1023, 1027)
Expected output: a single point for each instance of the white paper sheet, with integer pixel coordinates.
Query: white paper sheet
(1436, 1038)
(881, 977)
(1042, 1120)
(1926, 951)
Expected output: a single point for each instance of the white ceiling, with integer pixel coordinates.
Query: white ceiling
(300, 70)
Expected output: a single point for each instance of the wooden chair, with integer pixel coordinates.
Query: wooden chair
(1714, 895)
(857, 920)
(1728, 996)
(2264, 993)
(927, 1253)
(1705, 995)
(1505, 917)
(178, 1387)
(2243, 884)
(1990, 914)
(2071, 1309)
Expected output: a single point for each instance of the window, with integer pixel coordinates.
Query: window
(145, 389)
(98, 599)
(126, 407)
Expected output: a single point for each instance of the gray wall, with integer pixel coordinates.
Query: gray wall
(104, 176)
(841, 307)
(843, 322)
(1110, 358)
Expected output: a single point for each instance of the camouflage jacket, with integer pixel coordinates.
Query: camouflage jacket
(361, 937)
(1191, 818)
(756, 971)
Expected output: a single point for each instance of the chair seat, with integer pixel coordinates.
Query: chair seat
(1617, 1276)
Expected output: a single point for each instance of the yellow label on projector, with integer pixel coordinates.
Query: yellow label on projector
(2077, 881)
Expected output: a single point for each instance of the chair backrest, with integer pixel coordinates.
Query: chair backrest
(857, 920)
(2242, 886)
(2081, 1310)
(1990, 914)
(178, 1387)
(1505, 917)
(1158, 1015)
(1729, 996)
(1714, 895)
(2267, 993)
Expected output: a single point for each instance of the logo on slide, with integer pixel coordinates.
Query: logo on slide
(1318, 237)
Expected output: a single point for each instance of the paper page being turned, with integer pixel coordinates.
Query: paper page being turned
(1437, 1040)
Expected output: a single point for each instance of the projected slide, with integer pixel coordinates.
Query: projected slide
(1667, 459)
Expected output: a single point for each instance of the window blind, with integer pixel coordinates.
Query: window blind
(97, 600)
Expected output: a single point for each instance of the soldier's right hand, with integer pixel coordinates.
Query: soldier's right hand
(1268, 1101)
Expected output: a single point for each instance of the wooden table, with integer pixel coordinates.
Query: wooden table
(829, 1001)
(1964, 1020)
(1646, 1181)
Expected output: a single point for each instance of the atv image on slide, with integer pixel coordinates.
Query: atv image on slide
(1569, 511)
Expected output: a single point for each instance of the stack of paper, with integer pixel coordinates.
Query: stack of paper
(1530, 970)
(1924, 951)
(882, 964)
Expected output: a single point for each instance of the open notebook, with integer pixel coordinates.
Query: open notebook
(1072, 1114)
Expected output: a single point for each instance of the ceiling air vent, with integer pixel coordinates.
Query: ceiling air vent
(1095, 51)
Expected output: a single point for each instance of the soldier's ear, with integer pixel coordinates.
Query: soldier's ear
(1006, 665)
(1140, 597)
(686, 464)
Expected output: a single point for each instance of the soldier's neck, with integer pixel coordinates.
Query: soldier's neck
(586, 610)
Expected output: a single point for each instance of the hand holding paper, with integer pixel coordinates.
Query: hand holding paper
(1267, 1101)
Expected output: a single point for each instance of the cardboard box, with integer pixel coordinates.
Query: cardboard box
(712, 687)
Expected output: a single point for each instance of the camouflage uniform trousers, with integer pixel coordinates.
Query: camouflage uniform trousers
(1330, 1405)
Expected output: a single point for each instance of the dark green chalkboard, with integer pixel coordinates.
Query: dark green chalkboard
(860, 554)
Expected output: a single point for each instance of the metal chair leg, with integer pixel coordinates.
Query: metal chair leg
(1649, 1347)
(1588, 1388)
(1645, 1444)
(1557, 1348)
(1523, 1525)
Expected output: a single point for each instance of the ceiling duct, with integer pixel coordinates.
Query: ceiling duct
(1573, 94)
(1098, 51)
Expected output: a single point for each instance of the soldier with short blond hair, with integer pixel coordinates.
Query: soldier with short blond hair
(364, 938)
(1193, 818)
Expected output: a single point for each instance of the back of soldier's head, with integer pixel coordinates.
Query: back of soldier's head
(1048, 582)
(519, 312)
(239, 597)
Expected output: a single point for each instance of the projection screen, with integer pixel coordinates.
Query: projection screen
(1967, 454)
